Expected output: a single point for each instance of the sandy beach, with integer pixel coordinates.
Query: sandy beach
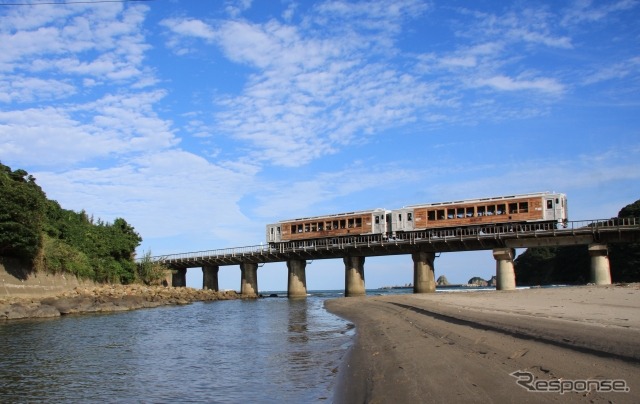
(527, 345)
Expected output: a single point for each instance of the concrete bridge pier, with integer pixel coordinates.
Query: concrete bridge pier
(354, 276)
(179, 278)
(249, 279)
(424, 279)
(210, 277)
(297, 284)
(505, 273)
(600, 269)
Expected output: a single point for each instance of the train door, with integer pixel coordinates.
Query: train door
(273, 233)
(402, 220)
(379, 223)
(550, 208)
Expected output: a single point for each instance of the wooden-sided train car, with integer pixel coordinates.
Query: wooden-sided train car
(546, 207)
(526, 208)
(344, 224)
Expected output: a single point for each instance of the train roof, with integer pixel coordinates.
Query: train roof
(493, 198)
(336, 215)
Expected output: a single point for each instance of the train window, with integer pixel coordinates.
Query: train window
(460, 213)
(377, 219)
(314, 227)
(482, 210)
(299, 228)
(557, 201)
(491, 210)
(358, 222)
(272, 231)
(409, 217)
(306, 228)
(441, 215)
(524, 207)
(502, 209)
(513, 208)
(400, 217)
(470, 211)
(431, 215)
(549, 203)
(343, 224)
(335, 225)
(451, 213)
(278, 230)
(320, 226)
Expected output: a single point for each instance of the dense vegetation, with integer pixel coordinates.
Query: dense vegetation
(39, 232)
(571, 265)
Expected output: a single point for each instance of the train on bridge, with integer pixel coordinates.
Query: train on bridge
(541, 207)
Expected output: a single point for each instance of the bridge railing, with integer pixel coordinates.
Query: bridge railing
(580, 227)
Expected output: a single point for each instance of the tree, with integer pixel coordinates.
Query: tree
(625, 258)
(22, 214)
(61, 240)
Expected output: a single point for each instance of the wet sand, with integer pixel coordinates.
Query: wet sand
(464, 346)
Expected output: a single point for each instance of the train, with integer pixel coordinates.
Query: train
(540, 207)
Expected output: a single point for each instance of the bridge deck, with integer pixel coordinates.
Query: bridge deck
(441, 240)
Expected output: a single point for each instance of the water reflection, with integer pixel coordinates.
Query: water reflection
(298, 326)
(270, 350)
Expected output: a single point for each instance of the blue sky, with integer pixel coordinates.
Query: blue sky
(200, 122)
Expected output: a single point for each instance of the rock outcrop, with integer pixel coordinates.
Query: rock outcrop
(106, 298)
(477, 281)
(442, 281)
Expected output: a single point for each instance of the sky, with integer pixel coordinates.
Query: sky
(200, 122)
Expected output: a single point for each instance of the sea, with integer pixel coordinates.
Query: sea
(269, 350)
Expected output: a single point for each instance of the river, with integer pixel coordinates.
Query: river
(266, 350)
(270, 350)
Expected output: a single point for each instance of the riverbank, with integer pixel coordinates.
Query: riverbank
(104, 299)
(466, 347)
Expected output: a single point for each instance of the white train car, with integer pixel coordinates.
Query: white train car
(339, 225)
(524, 208)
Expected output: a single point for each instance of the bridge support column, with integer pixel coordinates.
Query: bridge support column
(297, 285)
(167, 280)
(210, 277)
(424, 280)
(249, 281)
(354, 276)
(600, 269)
(505, 274)
(179, 278)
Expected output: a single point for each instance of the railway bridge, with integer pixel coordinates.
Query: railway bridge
(423, 246)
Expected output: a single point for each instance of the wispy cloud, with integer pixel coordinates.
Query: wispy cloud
(582, 11)
(504, 83)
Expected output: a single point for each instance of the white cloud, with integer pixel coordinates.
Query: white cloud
(114, 125)
(189, 27)
(504, 83)
(26, 89)
(316, 195)
(613, 71)
(582, 11)
(104, 42)
(164, 193)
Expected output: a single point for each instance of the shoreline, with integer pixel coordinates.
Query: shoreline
(106, 299)
(465, 346)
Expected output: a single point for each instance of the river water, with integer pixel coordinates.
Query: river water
(267, 350)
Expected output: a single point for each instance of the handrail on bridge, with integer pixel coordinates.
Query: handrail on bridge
(579, 227)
